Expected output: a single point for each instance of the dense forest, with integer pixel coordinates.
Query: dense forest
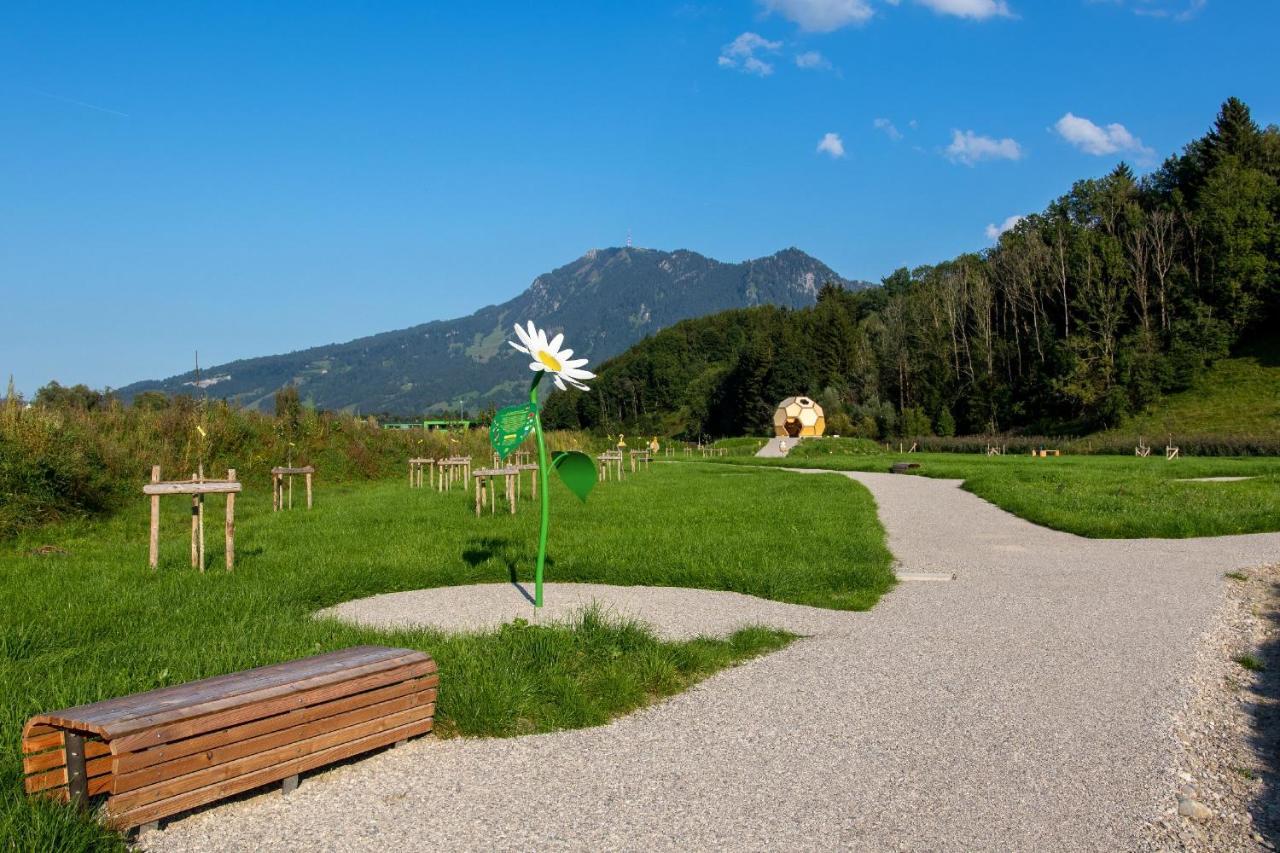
(1121, 291)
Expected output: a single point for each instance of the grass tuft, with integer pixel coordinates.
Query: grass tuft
(1250, 662)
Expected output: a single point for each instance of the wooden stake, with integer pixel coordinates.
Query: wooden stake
(200, 498)
(308, 491)
(155, 520)
(195, 525)
(231, 522)
(479, 492)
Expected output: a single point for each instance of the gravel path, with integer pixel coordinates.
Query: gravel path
(674, 613)
(1025, 706)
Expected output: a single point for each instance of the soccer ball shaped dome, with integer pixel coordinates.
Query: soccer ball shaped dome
(799, 417)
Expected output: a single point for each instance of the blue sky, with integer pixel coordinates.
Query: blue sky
(251, 178)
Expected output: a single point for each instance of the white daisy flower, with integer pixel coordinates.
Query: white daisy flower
(548, 357)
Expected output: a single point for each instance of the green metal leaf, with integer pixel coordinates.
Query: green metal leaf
(577, 470)
(511, 426)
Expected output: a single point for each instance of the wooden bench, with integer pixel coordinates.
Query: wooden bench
(903, 467)
(153, 755)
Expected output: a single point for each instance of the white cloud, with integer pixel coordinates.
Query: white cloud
(832, 144)
(821, 16)
(741, 54)
(1174, 10)
(813, 61)
(824, 16)
(969, 148)
(1101, 141)
(887, 128)
(978, 10)
(994, 231)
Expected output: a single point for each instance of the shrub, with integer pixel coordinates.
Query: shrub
(66, 460)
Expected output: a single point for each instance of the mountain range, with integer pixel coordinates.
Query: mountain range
(605, 301)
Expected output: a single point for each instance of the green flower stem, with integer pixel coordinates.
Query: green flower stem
(543, 491)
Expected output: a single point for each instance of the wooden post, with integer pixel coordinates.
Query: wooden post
(195, 524)
(231, 522)
(513, 481)
(200, 478)
(290, 491)
(155, 520)
(308, 491)
(479, 495)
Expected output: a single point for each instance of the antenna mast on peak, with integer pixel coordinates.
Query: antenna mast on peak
(628, 238)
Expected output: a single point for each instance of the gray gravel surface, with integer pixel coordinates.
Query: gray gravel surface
(674, 613)
(776, 448)
(1028, 705)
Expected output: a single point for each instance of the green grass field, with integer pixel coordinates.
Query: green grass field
(1099, 496)
(90, 621)
(1236, 396)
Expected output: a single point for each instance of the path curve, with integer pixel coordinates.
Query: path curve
(1025, 706)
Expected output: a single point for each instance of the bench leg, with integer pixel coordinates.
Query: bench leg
(289, 784)
(77, 778)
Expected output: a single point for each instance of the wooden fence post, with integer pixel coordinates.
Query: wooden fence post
(231, 521)
(155, 520)
(200, 478)
(195, 526)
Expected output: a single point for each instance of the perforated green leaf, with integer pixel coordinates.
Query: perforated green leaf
(577, 470)
(511, 426)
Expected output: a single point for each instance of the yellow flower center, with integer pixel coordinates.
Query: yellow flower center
(549, 360)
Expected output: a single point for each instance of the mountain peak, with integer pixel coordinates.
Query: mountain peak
(605, 301)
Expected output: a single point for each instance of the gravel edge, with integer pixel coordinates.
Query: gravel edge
(1228, 731)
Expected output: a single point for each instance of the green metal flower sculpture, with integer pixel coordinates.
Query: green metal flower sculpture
(512, 425)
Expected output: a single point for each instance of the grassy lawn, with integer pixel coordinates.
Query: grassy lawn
(1237, 396)
(90, 621)
(1100, 496)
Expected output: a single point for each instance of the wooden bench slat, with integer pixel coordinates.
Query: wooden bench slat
(306, 469)
(242, 747)
(110, 712)
(97, 785)
(248, 782)
(131, 761)
(272, 758)
(209, 704)
(58, 776)
(245, 713)
(57, 757)
(41, 742)
(225, 685)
